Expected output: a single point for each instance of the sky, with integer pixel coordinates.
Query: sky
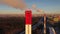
(48, 6)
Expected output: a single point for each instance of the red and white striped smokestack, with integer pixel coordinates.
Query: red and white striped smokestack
(28, 23)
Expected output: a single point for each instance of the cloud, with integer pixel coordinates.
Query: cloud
(38, 10)
(16, 3)
(34, 6)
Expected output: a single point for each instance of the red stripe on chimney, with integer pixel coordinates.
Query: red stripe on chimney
(28, 16)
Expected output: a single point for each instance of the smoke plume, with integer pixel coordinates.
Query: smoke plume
(15, 3)
(34, 6)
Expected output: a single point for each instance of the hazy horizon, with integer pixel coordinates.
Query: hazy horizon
(48, 6)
